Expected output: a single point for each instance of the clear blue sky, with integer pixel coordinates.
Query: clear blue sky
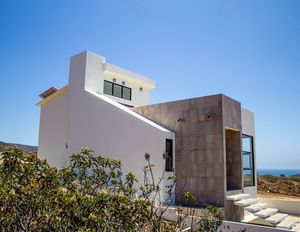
(248, 50)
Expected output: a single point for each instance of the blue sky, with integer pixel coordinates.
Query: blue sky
(248, 50)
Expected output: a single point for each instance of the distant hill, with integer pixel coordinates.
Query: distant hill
(21, 146)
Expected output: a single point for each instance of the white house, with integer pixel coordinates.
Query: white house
(108, 109)
(93, 110)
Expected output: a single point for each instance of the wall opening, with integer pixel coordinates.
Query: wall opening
(233, 160)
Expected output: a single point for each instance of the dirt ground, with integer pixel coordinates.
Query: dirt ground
(279, 187)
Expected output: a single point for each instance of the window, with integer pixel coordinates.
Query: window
(248, 161)
(127, 93)
(108, 88)
(169, 155)
(116, 90)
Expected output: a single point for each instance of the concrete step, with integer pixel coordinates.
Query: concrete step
(266, 212)
(287, 224)
(276, 218)
(256, 207)
(246, 202)
(296, 227)
(249, 218)
(238, 197)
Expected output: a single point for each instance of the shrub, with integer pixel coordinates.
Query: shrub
(89, 194)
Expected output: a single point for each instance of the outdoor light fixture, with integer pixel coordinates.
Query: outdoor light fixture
(114, 80)
(180, 120)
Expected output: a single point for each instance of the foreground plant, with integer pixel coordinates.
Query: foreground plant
(90, 194)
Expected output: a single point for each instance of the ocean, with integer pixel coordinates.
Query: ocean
(278, 172)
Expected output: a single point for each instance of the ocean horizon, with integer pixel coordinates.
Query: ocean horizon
(278, 172)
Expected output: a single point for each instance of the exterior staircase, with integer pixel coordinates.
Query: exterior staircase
(254, 210)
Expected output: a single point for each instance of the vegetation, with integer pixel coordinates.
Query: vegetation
(279, 185)
(90, 194)
(24, 147)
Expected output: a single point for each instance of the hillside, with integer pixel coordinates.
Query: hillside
(21, 146)
(269, 185)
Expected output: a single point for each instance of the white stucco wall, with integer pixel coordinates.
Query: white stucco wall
(229, 226)
(84, 117)
(248, 128)
(53, 133)
(97, 69)
(139, 98)
(290, 206)
(112, 132)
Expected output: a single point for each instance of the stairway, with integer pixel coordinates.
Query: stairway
(254, 210)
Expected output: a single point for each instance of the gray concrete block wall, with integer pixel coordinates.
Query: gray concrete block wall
(199, 126)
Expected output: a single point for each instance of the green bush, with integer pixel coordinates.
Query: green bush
(90, 194)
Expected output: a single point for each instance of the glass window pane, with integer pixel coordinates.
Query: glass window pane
(118, 90)
(248, 178)
(108, 88)
(247, 144)
(126, 93)
(247, 160)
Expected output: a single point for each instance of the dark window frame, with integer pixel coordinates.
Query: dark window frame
(169, 157)
(122, 90)
(251, 159)
(125, 87)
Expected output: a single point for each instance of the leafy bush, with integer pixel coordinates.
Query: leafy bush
(90, 194)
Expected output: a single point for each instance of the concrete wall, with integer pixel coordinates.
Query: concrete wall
(289, 206)
(232, 122)
(232, 155)
(197, 124)
(248, 128)
(229, 226)
(200, 126)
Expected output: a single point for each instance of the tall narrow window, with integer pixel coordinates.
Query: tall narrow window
(248, 161)
(169, 155)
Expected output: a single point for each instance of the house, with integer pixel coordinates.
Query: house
(210, 140)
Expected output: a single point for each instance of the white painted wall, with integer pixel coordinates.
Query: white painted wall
(53, 134)
(97, 70)
(289, 206)
(248, 128)
(229, 226)
(86, 118)
(139, 98)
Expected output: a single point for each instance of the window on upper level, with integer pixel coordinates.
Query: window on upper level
(108, 88)
(116, 90)
(248, 161)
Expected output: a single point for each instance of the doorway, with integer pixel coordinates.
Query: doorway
(233, 160)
